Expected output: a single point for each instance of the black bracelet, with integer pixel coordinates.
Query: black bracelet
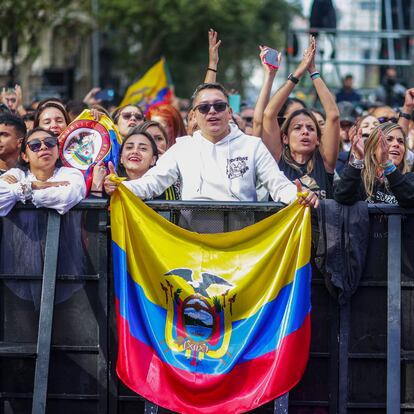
(293, 79)
(405, 115)
(213, 70)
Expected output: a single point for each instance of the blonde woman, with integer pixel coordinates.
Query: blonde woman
(376, 171)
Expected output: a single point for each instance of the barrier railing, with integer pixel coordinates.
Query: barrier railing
(362, 354)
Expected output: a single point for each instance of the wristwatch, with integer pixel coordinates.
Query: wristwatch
(405, 115)
(293, 79)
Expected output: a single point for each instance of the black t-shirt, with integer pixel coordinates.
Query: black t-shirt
(319, 181)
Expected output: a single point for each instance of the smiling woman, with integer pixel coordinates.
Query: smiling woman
(40, 178)
(138, 154)
(376, 171)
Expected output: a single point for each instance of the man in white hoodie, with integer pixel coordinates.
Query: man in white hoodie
(218, 162)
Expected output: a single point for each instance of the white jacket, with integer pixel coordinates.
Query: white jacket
(226, 171)
(59, 198)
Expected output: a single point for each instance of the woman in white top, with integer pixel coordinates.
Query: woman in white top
(40, 177)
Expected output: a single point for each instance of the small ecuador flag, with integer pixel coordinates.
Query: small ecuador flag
(153, 88)
(210, 323)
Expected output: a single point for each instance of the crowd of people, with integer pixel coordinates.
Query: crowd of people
(280, 149)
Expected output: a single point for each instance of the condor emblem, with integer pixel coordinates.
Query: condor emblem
(197, 324)
(84, 142)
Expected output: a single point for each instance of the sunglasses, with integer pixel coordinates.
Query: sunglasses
(384, 119)
(248, 119)
(205, 108)
(36, 144)
(128, 115)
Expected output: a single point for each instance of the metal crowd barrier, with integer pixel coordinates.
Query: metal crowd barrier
(362, 354)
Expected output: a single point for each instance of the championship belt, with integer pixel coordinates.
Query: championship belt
(85, 142)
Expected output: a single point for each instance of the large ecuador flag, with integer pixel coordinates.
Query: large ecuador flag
(210, 323)
(153, 88)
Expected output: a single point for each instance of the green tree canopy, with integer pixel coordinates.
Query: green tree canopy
(138, 33)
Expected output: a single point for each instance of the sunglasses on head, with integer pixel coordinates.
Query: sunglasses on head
(128, 115)
(36, 144)
(384, 119)
(205, 108)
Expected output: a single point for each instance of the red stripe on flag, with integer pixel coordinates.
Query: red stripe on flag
(252, 383)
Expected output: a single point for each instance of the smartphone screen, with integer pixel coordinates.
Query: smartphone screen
(105, 95)
(271, 58)
(234, 102)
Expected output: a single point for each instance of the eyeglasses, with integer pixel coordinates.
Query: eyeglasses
(128, 115)
(205, 108)
(36, 144)
(384, 119)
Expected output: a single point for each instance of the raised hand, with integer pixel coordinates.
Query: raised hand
(357, 147)
(90, 99)
(213, 47)
(312, 44)
(308, 198)
(381, 152)
(109, 185)
(308, 58)
(409, 100)
(19, 95)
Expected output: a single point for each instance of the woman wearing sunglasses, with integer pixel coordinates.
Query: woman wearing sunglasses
(128, 117)
(40, 177)
(299, 146)
(376, 171)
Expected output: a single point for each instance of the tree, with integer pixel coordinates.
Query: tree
(24, 22)
(138, 33)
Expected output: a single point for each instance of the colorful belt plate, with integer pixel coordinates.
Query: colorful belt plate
(83, 143)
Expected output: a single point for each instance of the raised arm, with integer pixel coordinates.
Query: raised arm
(407, 110)
(213, 56)
(264, 96)
(329, 146)
(271, 131)
(348, 188)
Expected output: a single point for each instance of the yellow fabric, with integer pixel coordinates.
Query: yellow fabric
(104, 120)
(258, 257)
(145, 89)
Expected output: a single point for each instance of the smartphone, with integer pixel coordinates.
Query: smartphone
(234, 103)
(105, 95)
(270, 58)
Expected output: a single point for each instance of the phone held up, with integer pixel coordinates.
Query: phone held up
(105, 95)
(270, 58)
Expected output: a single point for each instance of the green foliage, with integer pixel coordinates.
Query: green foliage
(23, 21)
(138, 33)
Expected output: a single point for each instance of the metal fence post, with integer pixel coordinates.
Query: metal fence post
(394, 315)
(46, 314)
